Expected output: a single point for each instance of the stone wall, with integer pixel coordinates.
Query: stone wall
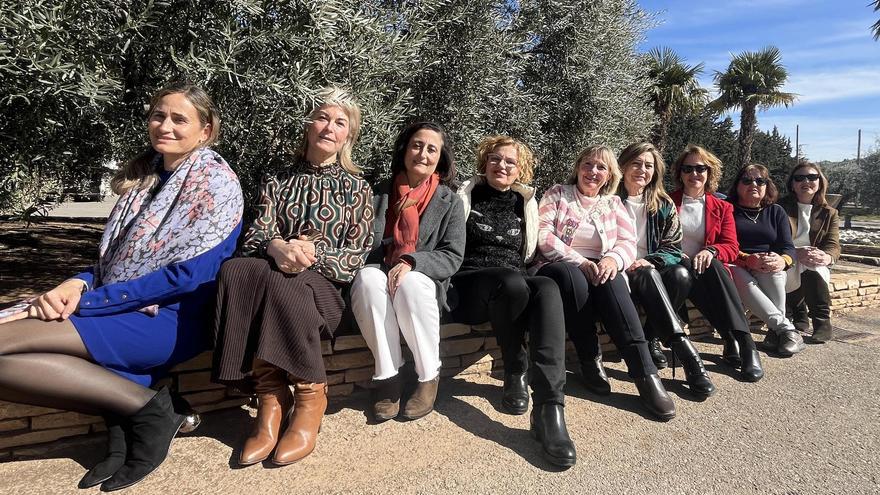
(28, 430)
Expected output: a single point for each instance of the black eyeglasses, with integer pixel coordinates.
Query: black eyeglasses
(689, 169)
(748, 181)
(809, 177)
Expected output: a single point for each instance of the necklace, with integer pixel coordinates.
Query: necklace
(757, 213)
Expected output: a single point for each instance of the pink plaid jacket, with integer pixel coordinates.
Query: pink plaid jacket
(559, 216)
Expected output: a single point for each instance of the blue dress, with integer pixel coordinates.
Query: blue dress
(141, 347)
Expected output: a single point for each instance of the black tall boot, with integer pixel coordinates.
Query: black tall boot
(116, 450)
(548, 426)
(694, 371)
(751, 360)
(821, 330)
(150, 432)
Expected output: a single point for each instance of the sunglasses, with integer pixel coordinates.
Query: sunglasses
(809, 177)
(689, 169)
(748, 181)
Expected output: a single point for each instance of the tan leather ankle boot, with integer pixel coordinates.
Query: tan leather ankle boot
(274, 402)
(422, 400)
(298, 441)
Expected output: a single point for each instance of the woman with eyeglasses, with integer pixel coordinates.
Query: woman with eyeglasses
(708, 243)
(502, 233)
(588, 238)
(766, 251)
(657, 281)
(815, 231)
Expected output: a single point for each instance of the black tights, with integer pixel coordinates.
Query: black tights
(46, 364)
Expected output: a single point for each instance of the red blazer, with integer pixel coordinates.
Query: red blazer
(720, 227)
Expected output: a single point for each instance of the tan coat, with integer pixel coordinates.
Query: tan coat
(824, 226)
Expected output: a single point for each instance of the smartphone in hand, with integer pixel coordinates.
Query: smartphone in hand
(14, 309)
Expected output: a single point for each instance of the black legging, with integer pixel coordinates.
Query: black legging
(714, 294)
(611, 302)
(660, 292)
(813, 294)
(513, 303)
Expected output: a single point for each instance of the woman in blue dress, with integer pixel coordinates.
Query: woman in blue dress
(96, 342)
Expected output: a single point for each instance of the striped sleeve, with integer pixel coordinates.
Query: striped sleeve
(624, 249)
(553, 215)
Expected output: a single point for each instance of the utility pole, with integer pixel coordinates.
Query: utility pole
(859, 151)
(797, 147)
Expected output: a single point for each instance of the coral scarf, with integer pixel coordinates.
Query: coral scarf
(402, 219)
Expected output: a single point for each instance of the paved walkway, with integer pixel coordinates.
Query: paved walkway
(811, 426)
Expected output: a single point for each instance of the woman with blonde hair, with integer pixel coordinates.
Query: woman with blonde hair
(311, 234)
(588, 237)
(709, 243)
(815, 231)
(657, 281)
(98, 341)
(501, 219)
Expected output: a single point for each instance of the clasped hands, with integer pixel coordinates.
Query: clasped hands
(601, 272)
(765, 262)
(812, 256)
(292, 256)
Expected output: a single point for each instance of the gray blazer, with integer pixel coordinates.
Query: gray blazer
(440, 249)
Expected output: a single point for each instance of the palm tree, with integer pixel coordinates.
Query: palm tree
(752, 81)
(675, 89)
(876, 26)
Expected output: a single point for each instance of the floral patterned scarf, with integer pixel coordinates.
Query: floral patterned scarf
(195, 210)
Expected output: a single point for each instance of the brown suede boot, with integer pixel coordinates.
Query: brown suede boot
(298, 441)
(386, 398)
(274, 402)
(422, 400)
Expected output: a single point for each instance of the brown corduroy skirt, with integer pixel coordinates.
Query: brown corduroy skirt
(279, 318)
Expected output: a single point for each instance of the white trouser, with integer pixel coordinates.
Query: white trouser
(413, 312)
(764, 295)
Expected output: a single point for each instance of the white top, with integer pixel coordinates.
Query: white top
(637, 210)
(693, 224)
(802, 237)
(586, 241)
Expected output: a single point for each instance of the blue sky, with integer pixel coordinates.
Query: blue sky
(827, 46)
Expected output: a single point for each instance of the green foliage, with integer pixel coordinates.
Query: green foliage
(876, 27)
(676, 88)
(75, 76)
(753, 81)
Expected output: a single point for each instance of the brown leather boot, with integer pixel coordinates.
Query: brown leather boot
(274, 402)
(386, 398)
(298, 441)
(422, 400)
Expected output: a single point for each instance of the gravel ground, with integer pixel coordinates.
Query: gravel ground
(811, 426)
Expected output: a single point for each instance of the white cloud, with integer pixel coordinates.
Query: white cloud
(852, 82)
(824, 138)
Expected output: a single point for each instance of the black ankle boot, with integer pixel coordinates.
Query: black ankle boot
(821, 330)
(548, 427)
(654, 397)
(595, 379)
(730, 353)
(515, 399)
(149, 432)
(116, 450)
(694, 371)
(657, 353)
(751, 360)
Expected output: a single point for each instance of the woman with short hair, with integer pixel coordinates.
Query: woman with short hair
(766, 251)
(98, 341)
(815, 231)
(709, 243)
(493, 285)
(419, 239)
(588, 237)
(311, 234)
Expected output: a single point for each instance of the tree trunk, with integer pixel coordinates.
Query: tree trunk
(663, 130)
(747, 124)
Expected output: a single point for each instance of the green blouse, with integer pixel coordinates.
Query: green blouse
(330, 199)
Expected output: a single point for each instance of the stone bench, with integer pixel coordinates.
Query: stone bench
(28, 430)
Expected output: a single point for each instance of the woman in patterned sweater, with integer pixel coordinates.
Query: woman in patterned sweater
(502, 233)
(584, 229)
(312, 232)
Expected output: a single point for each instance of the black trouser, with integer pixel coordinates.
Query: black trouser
(813, 294)
(514, 302)
(660, 292)
(714, 294)
(611, 302)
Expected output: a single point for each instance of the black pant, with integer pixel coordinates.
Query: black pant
(660, 293)
(514, 302)
(714, 294)
(611, 303)
(813, 294)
